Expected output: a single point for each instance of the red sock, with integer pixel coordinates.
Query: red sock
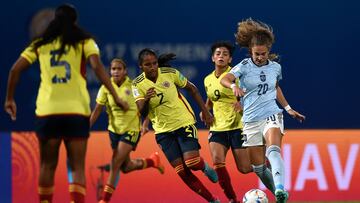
(193, 183)
(195, 163)
(225, 181)
(45, 194)
(148, 163)
(77, 193)
(107, 193)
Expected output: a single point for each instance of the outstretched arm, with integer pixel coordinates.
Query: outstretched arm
(192, 89)
(281, 99)
(14, 75)
(229, 81)
(95, 114)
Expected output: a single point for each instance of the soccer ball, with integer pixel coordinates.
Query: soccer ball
(255, 196)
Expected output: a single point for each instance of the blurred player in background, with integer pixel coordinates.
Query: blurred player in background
(63, 103)
(157, 96)
(259, 78)
(225, 133)
(124, 128)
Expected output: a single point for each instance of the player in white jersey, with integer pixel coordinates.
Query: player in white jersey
(259, 89)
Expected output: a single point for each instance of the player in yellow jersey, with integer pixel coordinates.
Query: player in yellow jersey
(62, 106)
(124, 128)
(157, 96)
(225, 133)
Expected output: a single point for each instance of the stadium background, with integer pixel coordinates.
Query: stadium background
(317, 42)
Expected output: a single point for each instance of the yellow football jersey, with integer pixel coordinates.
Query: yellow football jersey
(223, 99)
(169, 110)
(63, 84)
(120, 121)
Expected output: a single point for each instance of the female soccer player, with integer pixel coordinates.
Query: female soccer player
(259, 77)
(225, 133)
(124, 128)
(62, 106)
(173, 119)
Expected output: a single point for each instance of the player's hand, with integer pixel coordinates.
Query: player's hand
(144, 130)
(296, 115)
(237, 107)
(10, 108)
(208, 119)
(150, 93)
(238, 92)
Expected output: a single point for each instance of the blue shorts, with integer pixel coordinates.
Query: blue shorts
(174, 144)
(62, 126)
(130, 137)
(231, 138)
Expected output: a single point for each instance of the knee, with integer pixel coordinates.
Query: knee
(217, 158)
(125, 168)
(245, 169)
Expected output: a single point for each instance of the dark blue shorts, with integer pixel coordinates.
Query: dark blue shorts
(174, 144)
(62, 126)
(231, 138)
(130, 137)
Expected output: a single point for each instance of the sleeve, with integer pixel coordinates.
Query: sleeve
(29, 54)
(137, 93)
(180, 80)
(90, 48)
(101, 97)
(237, 70)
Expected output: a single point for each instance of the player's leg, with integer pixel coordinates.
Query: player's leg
(76, 152)
(76, 134)
(219, 146)
(49, 153)
(48, 131)
(173, 153)
(239, 152)
(153, 161)
(274, 131)
(187, 139)
(254, 142)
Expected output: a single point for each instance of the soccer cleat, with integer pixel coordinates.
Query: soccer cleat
(157, 164)
(210, 173)
(281, 196)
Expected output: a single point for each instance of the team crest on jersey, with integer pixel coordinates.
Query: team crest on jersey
(166, 84)
(262, 76)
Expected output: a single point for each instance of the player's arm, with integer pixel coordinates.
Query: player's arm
(208, 105)
(228, 81)
(14, 74)
(95, 114)
(193, 90)
(143, 104)
(283, 102)
(99, 70)
(145, 126)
